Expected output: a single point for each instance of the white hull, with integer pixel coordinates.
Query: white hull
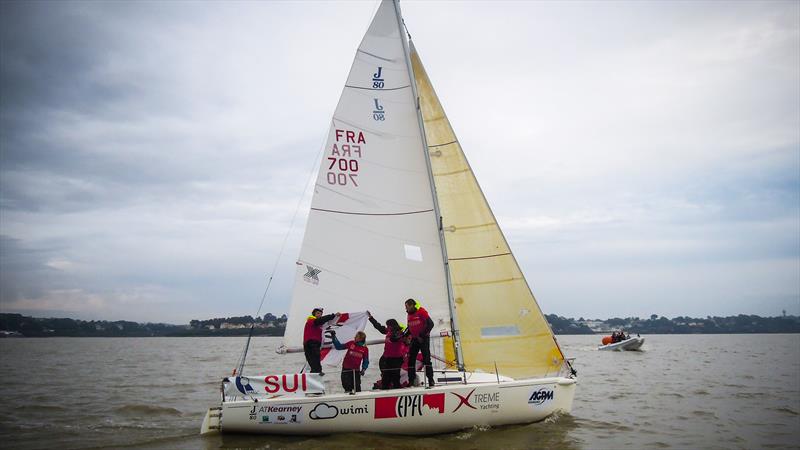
(441, 409)
(634, 343)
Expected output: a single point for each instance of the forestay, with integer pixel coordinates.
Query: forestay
(371, 239)
(499, 320)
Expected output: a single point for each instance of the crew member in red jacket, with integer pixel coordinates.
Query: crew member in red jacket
(312, 337)
(419, 328)
(394, 348)
(356, 361)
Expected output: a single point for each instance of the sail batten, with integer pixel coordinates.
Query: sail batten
(402, 213)
(480, 256)
(374, 89)
(441, 145)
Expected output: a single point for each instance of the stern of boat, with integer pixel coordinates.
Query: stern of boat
(211, 422)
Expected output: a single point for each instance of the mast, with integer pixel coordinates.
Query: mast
(443, 246)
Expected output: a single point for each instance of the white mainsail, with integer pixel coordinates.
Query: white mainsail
(372, 237)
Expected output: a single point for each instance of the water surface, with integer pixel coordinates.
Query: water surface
(682, 391)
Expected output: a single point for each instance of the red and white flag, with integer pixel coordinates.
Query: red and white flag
(346, 328)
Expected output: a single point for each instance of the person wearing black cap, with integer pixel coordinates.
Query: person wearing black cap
(312, 337)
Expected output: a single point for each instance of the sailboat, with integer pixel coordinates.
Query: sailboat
(397, 213)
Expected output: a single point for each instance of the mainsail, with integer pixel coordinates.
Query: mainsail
(499, 321)
(372, 239)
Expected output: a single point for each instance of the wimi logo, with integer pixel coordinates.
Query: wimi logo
(541, 396)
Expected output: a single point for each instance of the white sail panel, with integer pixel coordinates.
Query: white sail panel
(371, 239)
(499, 322)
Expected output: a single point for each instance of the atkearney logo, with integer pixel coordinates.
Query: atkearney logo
(276, 414)
(540, 396)
(276, 409)
(408, 405)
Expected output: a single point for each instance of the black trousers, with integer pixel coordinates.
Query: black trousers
(311, 349)
(425, 348)
(351, 380)
(390, 372)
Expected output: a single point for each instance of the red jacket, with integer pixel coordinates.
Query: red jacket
(313, 328)
(394, 343)
(355, 356)
(419, 323)
(393, 349)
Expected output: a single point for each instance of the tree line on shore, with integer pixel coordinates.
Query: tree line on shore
(270, 325)
(741, 323)
(17, 324)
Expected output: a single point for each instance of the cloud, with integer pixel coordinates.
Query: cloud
(154, 153)
(324, 411)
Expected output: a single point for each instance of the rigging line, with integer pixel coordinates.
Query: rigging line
(311, 177)
(372, 214)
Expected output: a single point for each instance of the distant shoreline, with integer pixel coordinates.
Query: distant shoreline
(17, 325)
(281, 335)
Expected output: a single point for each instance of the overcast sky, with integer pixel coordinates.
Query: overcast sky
(641, 157)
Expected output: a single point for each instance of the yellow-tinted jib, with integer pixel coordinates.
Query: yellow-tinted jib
(499, 322)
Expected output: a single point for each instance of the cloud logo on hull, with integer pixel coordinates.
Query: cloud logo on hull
(324, 411)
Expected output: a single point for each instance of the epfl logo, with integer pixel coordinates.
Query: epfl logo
(541, 396)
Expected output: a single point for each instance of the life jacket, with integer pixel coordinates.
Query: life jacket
(355, 354)
(312, 332)
(417, 321)
(393, 349)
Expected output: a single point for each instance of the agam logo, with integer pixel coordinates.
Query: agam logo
(541, 396)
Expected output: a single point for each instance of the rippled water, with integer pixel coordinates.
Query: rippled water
(713, 391)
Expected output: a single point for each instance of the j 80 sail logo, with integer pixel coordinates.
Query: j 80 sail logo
(409, 406)
(540, 396)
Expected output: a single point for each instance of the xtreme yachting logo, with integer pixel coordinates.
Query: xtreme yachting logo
(487, 400)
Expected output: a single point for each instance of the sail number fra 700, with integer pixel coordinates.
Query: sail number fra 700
(344, 156)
